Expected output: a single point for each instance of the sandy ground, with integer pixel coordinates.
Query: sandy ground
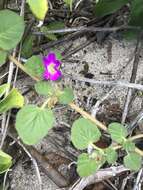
(108, 62)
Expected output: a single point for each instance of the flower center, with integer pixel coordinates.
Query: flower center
(51, 68)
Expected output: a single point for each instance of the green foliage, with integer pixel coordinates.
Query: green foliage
(39, 8)
(3, 89)
(44, 88)
(34, 66)
(69, 3)
(51, 36)
(86, 165)
(83, 133)
(133, 161)
(136, 13)
(111, 155)
(129, 146)
(5, 161)
(13, 100)
(33, 123)
(27, 47)
(11, 29)
(106, 7)
(52, 26)
(118, 132)
(3, 56)
(66, 96)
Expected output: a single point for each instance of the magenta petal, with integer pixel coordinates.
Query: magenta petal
(46, 75)
(55, 76)
(57, 63)
(45, 62)
(51, 57)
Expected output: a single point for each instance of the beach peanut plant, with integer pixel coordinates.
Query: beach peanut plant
(33, 122)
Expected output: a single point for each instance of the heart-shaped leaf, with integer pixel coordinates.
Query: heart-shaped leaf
(133, 161)
(118, 132)
(11, 29)
(5, 161)
(33, 123)
(83, 133)
(86, 165)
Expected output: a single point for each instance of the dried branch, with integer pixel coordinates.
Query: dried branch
(108, 83)
(88, 29)
(100, 175)
(133, 75)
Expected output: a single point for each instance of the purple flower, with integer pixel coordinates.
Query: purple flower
(51, 65)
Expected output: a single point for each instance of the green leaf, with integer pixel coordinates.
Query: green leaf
(129, 146)
(33, 123)
(69, 3)
(52, 26)
(66, 96)
(106, 7)
(5, 161)
(130, 34)
(11, 29)
(3, 89)
(13, 100)
(27, 47)
(87, 165)
(136, 13)
(3, 56)
(133, 161)
(39, 8)
(51, 36)
(56, 25)
(34, 66)
(118, 132)
(44, 88)
(83, 133)
(111, 155)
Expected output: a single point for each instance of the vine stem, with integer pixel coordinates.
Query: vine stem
(76, 108)
(11, 58)
(45, 103)
(136, 137)
(88, 116)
